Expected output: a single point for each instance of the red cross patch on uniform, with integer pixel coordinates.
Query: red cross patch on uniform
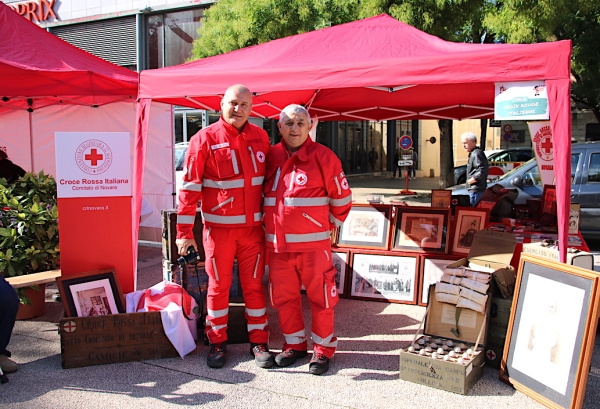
(301, 179)
(260, 156)
(333, 291)
(345, 184)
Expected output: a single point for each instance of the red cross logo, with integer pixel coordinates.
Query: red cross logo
(547, 145)
(70, 326)
(260, 156)
(301, 179)
(491, 355)
(94, 157)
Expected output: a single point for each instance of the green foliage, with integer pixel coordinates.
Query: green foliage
(28, 225)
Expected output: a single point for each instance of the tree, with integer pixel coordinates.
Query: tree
(532, 21)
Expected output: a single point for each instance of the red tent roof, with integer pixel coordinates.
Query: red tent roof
(38, 65)
(377, 68)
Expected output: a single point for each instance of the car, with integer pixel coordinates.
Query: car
(180, 150)
(501, 161)
(585, 185)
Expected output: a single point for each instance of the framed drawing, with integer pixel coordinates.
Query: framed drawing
(431, 271)
(367, 226)
(91, 293)
(441, 198)
(551, 332)
(340, 262)
(421, 229)
(469, 220)
(384, 278)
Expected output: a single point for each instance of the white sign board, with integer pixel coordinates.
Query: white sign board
(521, 101)
(93, 164)
(405, 162)
(543, 146)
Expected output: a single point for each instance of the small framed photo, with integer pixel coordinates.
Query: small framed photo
(421, 229)
(91, 293)
(551, 331)
(367, 226)
(469, 220)
(383, 277)
(340, 263)
(431, 271)
(441, 198)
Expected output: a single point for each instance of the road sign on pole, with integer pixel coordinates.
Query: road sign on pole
(405, 142)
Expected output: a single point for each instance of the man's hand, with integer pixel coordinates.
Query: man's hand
(471, 181)
(183, 244)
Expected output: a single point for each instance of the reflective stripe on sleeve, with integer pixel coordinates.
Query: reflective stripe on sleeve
(276, 182)
(258, 180)
(194, 187)
(335, 221)
(269, 201)
(305, 201)
(258, 216)
(306, 238)
(341, 202)
(184, 219)
(223, 184)
(270, 238)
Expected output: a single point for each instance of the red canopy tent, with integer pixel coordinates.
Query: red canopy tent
(38, 69)
(376, 69)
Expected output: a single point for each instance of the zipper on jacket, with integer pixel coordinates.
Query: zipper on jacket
(325, 293)
(222, 204)
(271, 295)
(277, 175)
(214, 263)
(312, 219)
(189, 170)
(253, 159)
(256, 265)
(293, 178)
(337, 183)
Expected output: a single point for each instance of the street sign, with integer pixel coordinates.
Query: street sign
(405, 162)
(405, 142)
(507, 137)
(507, 128)
(493, 123)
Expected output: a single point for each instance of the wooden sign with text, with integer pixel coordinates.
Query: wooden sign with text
(108, 339)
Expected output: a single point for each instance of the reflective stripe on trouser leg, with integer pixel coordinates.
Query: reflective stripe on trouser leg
(219, 247)
(251, 266)
(318, 275)
(286, 298)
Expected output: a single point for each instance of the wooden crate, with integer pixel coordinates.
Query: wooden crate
(108, 339)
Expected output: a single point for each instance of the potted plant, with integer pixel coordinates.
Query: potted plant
(28, 227)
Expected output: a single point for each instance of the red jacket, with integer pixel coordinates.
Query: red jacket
(225, 171)
(306, 195)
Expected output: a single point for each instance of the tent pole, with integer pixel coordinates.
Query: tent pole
(30, 112)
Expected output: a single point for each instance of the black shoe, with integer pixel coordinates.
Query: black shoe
(217, 356)
(289, 356)
(262, 356)
(319, 364)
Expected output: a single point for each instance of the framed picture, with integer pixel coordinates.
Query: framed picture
(340, 262)
(91, 293)
(551, 332)
(469, 220)
(421, 229)
(549, 200)
(384, 278)
(441, 198)
(367, 226)
(431, 271)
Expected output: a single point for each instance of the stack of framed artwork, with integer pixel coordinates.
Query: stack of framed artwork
(393, 253)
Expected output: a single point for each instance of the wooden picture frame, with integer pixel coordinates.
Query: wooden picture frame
(340, 261)
(430, 272)
(91, 293)
(384, 277)
(551, 331)
(421, 229)
(468, 221)
(441, 198)
(367, 227)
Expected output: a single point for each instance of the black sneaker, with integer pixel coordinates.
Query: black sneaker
(262, 356)
(289, 356)
(319, 364)
(217, 356)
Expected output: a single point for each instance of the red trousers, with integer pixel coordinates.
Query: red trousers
(287, 272)
(222, 246)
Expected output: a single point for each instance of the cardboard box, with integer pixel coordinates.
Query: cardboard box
(494, 350)
(580, 259)
(169, 235)
(495, 250)
(499, 315)
(108, 339)
(440, 322)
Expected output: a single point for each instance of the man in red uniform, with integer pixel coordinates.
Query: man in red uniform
(224, 170)
(306, 195)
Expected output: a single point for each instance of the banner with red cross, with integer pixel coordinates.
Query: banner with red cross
(543, 146)
(94, 185)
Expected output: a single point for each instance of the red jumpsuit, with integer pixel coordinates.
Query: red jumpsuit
(306, 195)
(225, 171)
